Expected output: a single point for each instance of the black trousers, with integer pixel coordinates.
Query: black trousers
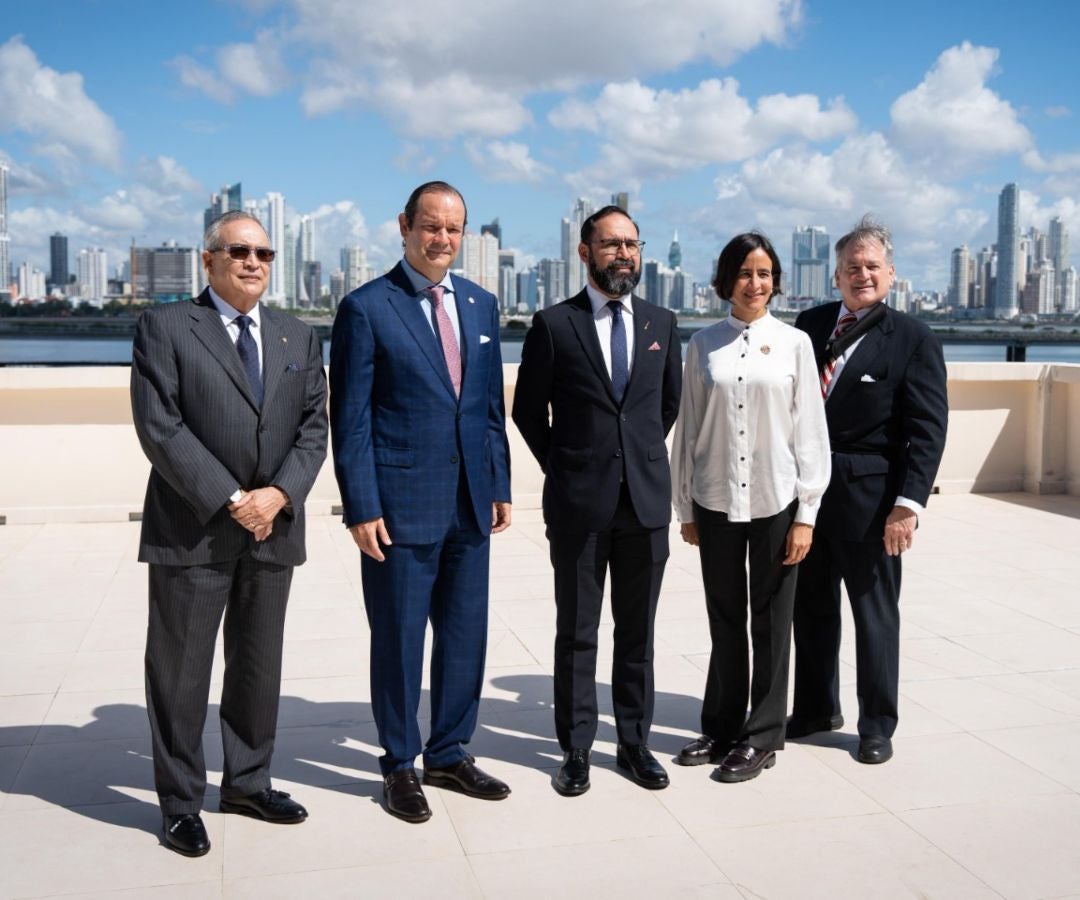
(724, 548)
(872, 579)
(186, 606)
(636, 556)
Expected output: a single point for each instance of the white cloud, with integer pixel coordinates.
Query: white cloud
(255, 68)
(202, 79)
(657, 133)
(54, 108)
(1057, 164)
(1057, 112)
(169, 175)
(506, 161)
(953, 117)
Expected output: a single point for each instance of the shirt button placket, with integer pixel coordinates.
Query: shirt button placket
(742, 365)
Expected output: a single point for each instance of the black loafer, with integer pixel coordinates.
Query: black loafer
(874, 750)
(800, 728)
(404, 796)
(642, 766)
(268, 805)
(700, 751)
(572, 778)
(744, 762)
(467, 778)
(186, 834)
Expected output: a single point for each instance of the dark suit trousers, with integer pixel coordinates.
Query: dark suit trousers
(872, 579)
(186, 606)
(724, 546)
(445, 583)
(636, 556)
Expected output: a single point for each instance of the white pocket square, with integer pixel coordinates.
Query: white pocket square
(484, 339)
(868, 378)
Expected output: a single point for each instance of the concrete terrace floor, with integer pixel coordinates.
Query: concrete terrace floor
(981, 799)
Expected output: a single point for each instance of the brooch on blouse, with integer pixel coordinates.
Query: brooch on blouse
(765, 348)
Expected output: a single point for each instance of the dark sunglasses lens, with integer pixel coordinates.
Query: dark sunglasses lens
(238, 253)
(265, 254)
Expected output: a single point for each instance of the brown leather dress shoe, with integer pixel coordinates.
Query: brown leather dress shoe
(701, 750)
(404, 796)
(467, 778)
(186, 834)
(744, 762)
(268, 805)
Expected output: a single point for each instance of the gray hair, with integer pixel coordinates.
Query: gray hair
(212, 235)
(867, 229)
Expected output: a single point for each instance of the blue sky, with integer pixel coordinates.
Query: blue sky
(118, 119)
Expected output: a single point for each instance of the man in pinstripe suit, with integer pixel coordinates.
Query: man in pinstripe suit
(229, 403)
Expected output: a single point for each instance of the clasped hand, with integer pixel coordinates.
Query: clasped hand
(256, 510)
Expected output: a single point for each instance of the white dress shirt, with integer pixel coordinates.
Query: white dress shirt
(229, 315)
(602, 316)
(751, 434)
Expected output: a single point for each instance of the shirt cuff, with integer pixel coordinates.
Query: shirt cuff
(806, 515)
(910, 504)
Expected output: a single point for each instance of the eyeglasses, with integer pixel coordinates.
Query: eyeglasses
(241, 252)
(613, 244)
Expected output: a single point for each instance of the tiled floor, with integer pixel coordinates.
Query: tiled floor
(981, 800)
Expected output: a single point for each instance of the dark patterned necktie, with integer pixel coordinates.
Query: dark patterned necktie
(846, 323)
(619, 361)
(249, 356)
(451, 351)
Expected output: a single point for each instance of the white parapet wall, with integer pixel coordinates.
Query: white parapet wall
(68, 450)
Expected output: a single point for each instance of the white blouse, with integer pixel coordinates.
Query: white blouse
(751, 434)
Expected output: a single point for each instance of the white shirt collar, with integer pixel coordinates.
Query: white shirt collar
(231, 312)
(421, 282)
(739, 325)
(600, 300)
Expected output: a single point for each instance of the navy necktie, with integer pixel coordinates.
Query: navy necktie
(619, 364)
(249, 356)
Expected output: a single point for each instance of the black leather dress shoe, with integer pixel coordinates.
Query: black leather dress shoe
(404, 796)
(874, 750)
(744, 762)
(800, 728)
(186, 834)
(268, 805)
(642, 766)
(700, 751)
(466, 778)
(573, 775)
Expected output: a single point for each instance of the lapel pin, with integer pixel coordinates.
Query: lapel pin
(646, 325)
(471, 300)
(765, 348)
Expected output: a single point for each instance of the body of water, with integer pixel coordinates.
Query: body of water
(117, 351)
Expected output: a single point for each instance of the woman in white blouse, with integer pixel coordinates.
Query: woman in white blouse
(750, 463)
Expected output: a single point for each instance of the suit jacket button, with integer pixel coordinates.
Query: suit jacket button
(453, 459)
(622, 418)
(618, 453)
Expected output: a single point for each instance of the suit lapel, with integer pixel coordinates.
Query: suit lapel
(869, 348)
(467, 326)
(406, 304)
(644, 335)
(274, 353)
(584, 326)
(208, 329)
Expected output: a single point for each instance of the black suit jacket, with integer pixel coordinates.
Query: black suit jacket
(887, 417)
(200, 427)
(588, 440)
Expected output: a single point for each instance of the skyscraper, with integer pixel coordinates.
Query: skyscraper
(227, 200)
(576, 272)
(1058, 251)
(164, 274)
(479, 257)
(92, 274)
(1010, 273)
(305, 253)
(493, 228)
(274, 223)
(621, 200)
(810, 262)
(5, 239)
(674, 254)
(959, 272)
(354, 265)
(58, 261)
(289, 265)
(550, 282)
(507, 281)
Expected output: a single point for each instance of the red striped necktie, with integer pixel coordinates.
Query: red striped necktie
(846, 323)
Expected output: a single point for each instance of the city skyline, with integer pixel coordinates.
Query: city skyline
(118, 130)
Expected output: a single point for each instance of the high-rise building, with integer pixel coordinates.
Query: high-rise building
(550, 282)
(576, 272)
(959, 277)
(1070, 291)
(312, 272)
(479, 257)
(274, 223)
(1010, 272)
(674, 254)
(621, 200)
(30, 282)
(58, 261)
(337, 287)
(289, 265)
(227, 200)
(527, 282)
(1058, 251)
(682, 290)
(5, 238)
(164, 274)
(985, 275)
(493, 228)
(1037, 298)
(92, 275)
(810, 262)
(507, 292)
(305, 253)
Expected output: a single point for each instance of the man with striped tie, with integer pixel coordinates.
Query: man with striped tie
(883, 379)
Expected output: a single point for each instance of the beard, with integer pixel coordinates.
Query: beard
(617, 279)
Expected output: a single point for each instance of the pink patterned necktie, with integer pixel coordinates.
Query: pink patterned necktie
(446, 337)
(846, 323)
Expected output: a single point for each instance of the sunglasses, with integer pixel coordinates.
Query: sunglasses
(240, 252)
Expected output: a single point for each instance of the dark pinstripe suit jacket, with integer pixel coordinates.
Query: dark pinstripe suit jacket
(199, 425)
